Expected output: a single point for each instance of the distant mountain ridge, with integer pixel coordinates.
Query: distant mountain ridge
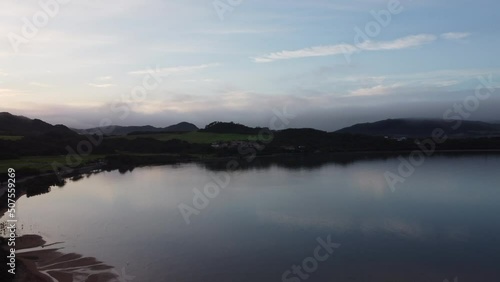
(22, 126)
(14, 125)
(414, 128)
(124, 130)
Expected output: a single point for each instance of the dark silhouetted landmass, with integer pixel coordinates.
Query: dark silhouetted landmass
(125, 130)
(11, 125)
(181, 127)
(230, 127)
(229, 139)
(417, 128)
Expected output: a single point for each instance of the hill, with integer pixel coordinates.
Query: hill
(181, 127)
(12, 125)
(414, 128)
(230, 127)
(125, 130)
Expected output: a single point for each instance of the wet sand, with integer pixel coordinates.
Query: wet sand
(47, 263)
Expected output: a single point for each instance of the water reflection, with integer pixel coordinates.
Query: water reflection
(443, 222)
(297, 162)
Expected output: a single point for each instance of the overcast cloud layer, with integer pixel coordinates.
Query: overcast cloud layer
(329, 63)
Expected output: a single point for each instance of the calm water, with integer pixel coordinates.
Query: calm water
(443, 222)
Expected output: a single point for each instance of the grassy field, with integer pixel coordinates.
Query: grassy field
(42, 164)
(12, 138)
(193, 137)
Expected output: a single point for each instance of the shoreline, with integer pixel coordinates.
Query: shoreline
(159, 160)
(47, 265)
(78, 171)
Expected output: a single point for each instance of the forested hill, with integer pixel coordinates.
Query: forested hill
(12, 125)
(124, 130)
(415, 128)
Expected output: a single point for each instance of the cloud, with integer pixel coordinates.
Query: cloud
(240, 31)
(101, 85)
(174, 70)
(317, 51)
(377, 90)
(326, 110)
(445, 83)
(6, 92)
(199, 80)
(34, 83)
(455, 35)
(401, 43)
(331, 50)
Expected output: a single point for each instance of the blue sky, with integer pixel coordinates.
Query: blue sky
(242, 63)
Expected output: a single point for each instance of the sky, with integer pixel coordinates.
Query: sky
(314, 63)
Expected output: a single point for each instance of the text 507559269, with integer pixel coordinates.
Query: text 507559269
(11, 221)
